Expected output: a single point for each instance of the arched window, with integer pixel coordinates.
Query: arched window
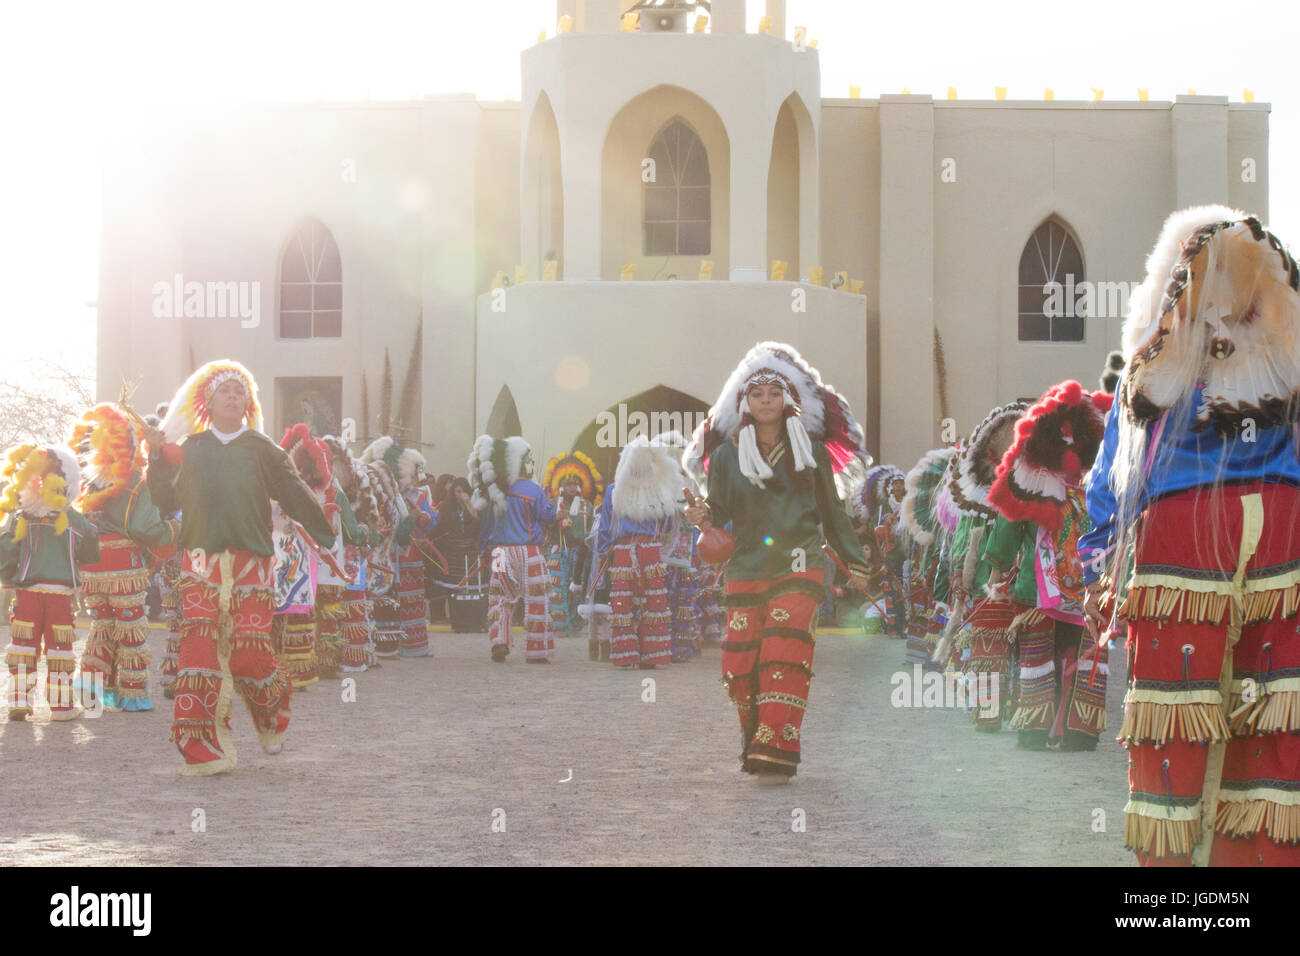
(676, 211)
(1051, 268)
(311, 285)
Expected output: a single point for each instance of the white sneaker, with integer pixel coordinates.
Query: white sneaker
(273, 749)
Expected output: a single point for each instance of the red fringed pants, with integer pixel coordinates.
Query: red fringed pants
(519, 571)
(329, 629)
(115, 588)
(640, 620)
(413, 611)
(226, 605)
(767, 658)
(356, 631)
(41, 614)
(1215, 679)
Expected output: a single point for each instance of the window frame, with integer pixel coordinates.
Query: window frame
(679, 188)
(1056, 326)
(313, 261)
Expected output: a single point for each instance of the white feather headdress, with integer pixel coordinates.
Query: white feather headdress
(814, 411)
(648, 480)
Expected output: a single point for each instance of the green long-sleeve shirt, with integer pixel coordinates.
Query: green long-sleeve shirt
(971, 528)
(42, 557)
(353, 533)
(770, 523)
(1004, 542)
(224, 493)
(134, 515)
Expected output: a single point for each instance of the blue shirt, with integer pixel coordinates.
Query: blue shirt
(1189, 460)
(614, 525)
(528, 513)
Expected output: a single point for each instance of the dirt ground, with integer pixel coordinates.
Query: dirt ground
(434, 751)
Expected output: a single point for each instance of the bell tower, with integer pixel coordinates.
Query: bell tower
(658, 136)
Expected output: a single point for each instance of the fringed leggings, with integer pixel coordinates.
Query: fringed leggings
(1212, 714)
(226, 603)
(641, 623)
(519, 571)
(41, 614)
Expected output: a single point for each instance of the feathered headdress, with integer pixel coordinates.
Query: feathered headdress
(41, 482)
(347, 472)
(310, 457)
(188, 411)
(384, 493)
(648, 480)
(569, 467)
(946, 510)
(917, 516)
(1219, 305)
(813, 411)
(976, 468)
(108, 454)
(1056, 442)
(405, 464)
(494, 465)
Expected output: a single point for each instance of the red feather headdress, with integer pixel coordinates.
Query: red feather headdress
(310, 456)
(1056, 442)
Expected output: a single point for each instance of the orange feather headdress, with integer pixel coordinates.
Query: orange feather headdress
(570, 467)
(108, 451)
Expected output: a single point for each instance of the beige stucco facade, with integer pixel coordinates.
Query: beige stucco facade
(929, 202)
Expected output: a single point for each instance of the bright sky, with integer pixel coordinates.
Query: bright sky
(76, 76)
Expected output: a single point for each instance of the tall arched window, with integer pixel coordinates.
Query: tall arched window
(311, 285)
(1051, 268)
(676, 211)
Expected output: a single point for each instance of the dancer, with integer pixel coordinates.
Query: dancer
(572, 482)
(596, 611)
(116, 499)
(516, 515)
(298, 569)
(392, 526)
(924, 547)
(1061, 700)
(406, 466)
(986, 616)
(768, 456)
(42, 541)
(1197, 489)
(355, 501)
(223, 478)
(640, 510)
(874, 506)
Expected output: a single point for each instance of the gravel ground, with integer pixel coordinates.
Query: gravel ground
(433, 753)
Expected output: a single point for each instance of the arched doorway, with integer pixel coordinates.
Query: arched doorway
(652, 412)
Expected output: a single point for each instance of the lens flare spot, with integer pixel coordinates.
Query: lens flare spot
(572, 373)
(768, 540)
